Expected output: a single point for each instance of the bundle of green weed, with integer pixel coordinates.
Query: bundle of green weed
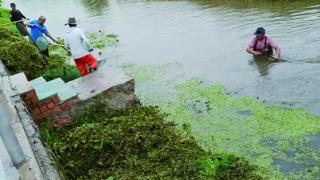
(102, 39)
(19, 55)
(135, 143)
(58, 68)
(66, 72)
(5, 19)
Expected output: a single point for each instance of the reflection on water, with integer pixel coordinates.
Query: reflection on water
(262, 64)
(95, 6)
(208, 38)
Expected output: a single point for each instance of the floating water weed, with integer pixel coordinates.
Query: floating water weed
(242, 126)
(102, 39)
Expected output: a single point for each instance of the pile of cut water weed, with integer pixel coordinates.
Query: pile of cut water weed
(5, 19)
(66, 72)
(133, 144)
(57, 66)
(19, 55)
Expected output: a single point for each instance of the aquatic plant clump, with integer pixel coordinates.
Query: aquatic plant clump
(5, 19)
(102, 39)
(66, 72)
(58, 66)
(133, 144)
(19, 55)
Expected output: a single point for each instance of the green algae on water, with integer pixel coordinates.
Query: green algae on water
(222, 129)
(151, 85)
(282, 141)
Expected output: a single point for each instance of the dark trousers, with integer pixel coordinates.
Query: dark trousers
(22, 28)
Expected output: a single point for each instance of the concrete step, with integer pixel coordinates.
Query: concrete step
(43, 90)
(38, 81)
(57, 87)
(97, 82)
(20, 83)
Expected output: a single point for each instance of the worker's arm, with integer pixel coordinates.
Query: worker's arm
(251, 51)
(49, 36)
(276, 47)
(66, 44)
(278, 53)
(85, 41)
(250, 48)
(30, 24)
(46, 32)
(22, 15)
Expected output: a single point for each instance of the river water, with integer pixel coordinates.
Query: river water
(206, 39)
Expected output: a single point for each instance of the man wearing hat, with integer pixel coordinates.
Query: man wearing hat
(17, 17)
(263, 45)
(79, 45)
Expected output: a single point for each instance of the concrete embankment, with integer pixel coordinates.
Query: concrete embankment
(37, 163)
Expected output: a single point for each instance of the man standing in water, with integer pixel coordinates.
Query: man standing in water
(263, 45)
(80, 48)
(17, 17)
(38, 30)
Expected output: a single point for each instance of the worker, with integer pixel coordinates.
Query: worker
(79, 45)
(38, 33)
(263, 45)
(17, 17)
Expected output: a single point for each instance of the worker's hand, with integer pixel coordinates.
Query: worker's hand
(257, 53)
(31, 25)
(277, 57)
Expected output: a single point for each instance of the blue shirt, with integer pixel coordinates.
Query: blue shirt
(37, 30)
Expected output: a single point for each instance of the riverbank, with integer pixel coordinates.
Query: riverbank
(133, 143)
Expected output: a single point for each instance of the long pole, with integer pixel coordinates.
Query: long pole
(280, 59)
(58, 44)
(14, 22)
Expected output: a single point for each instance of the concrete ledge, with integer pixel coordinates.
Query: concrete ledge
(40, 164)
(93, 84)
(109, 84)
